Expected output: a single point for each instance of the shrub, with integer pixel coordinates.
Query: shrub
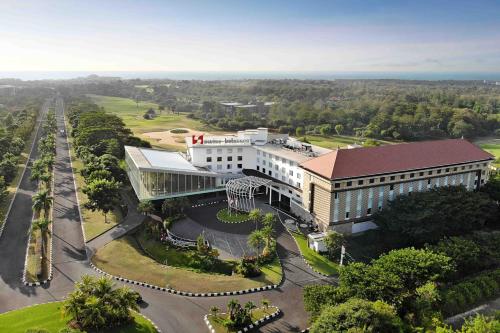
(179, 131)
(465, 294)
(248, 267)
(358, 314)
(318, 296)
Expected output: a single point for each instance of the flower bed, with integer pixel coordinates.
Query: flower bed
(223, 215)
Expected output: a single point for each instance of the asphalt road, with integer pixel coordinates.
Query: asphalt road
(172, 313)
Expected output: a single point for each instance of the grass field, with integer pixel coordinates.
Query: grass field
(135, 265)
(133, 117)
(316, 260)
(257, 314)
(93, 222)
(49, 317)
(493, 147)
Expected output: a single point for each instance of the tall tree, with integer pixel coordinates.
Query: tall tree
(102, 195)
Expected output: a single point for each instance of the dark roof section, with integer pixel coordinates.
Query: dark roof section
(359, 162)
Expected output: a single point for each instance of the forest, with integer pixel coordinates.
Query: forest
(380, 109)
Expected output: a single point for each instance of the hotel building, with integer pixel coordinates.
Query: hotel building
(337, 189)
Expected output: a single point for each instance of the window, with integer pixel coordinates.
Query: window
(360, 182)
(429, 173)
(336, 195)
(276, 167)
(368, 211)
(349, 183)
(264, 170)
(298, 176)
(230, 150)
(428, 182)
(209, 167)
(229, 158)
(439, 171)
(382, 179)
(346, 215)
(372, 180)
(240, 166)
(447, 169)
(209, 159)
(209, 151)
(219, 166)
(240, 158)
(391, 188)
(420, 174)
(463, 167)
(290, 191)
(455, 169)
(283, 178)
(264, 154)
(270, 173)
(229, 166)
(264, 162)
(258, 160)
(219, 151)
(299, 185)
(402, 176)
(270, 164)
(337, 185)
(258, 168)
(290, 172)
(393, 177)
(412, 175)
(283, 169)
(219, 158)
(240, 150)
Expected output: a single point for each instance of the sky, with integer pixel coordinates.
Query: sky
(251, 35)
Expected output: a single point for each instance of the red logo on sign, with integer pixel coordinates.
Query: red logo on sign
(197, 139)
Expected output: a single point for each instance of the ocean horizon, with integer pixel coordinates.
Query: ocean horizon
(214, 75)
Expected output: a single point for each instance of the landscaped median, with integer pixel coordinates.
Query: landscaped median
(259, 316)
(225, 216)
(179, 273)
(317, 261)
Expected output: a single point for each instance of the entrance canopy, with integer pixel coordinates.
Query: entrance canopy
(240, 192)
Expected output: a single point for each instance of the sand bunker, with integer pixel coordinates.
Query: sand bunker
(173, 139)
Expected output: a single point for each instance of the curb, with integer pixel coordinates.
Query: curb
(188, 293)
(298, 247)
(211, 203)
(253, 325)
(151, 321)
(7, 213)
(228, 222)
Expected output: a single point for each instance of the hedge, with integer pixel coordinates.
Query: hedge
(464, 295)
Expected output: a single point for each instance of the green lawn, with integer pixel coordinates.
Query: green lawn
(93, 222)
(257, 314)
(235, 217)
(493, 148)
(134, 264)
(132, 115)
(49, 317)
(316, 260)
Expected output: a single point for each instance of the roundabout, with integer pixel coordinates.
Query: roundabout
(225, 216)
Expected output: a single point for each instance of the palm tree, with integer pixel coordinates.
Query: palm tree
(42, 200)
(249, 306)
(214, 310)
(232, 308)
(37, 169)
(46, 178)
(145, 207)
(269, 219)
(91, 313)
(74, 304)
(256, 240)
(43, 226)
(255, 215)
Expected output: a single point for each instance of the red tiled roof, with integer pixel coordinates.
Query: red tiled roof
(358, 162)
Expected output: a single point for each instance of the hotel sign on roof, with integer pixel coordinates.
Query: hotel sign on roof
(219, 141)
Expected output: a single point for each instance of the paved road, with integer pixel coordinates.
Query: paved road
(172, 313)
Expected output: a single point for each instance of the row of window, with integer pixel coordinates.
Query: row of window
(276, 175)
(411, 175)
(228, 166)
(276, 158)
(228, 150)
(229, 158)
